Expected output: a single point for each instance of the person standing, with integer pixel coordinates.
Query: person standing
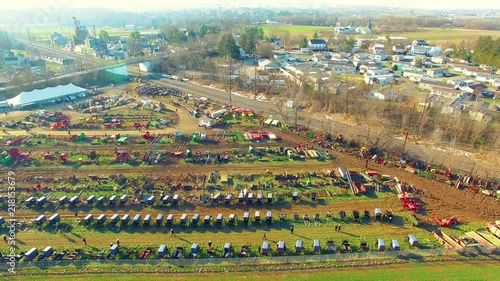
(172, 233)
(84, 241)
(291, 229)
(264, 237)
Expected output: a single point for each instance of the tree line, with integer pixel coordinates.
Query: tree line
(484, 51)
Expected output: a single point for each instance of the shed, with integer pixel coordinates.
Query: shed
(184, 219)
(229, 197)
(48, 251)
(265, 248)
(55, 218)
(74, 200)
(395, 245)
(114, 218)
(151, 200)
(89, 218)
(259, 198)
(207, 219)
(63, 200)
(137, 219)
(162, 251)
(269, 197)
(241, 197)
(30, 201)
(412, 240)
(232, 218)
(250, 198)
(269, 216)
(227, 250)
(170, 218)
(195, 219)
(316, 246)
(147, 219)
(159, 219)
(281, 247)
(41, 201)
(380, 245)
(166, 199)
(125, 219)
(101, 200)
(216, 197)
(298, 246)
(206, 122)
(101, 219)
(40, 220)
(31, 254)
(220, 218)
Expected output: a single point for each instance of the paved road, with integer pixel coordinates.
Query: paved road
(455, 160)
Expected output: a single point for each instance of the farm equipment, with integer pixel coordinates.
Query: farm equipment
(494, 228)
(346, 246)
(445, 223)
(145, 254)
(331, 246)
(410, 204)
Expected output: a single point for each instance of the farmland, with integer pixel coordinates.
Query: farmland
(147, 153)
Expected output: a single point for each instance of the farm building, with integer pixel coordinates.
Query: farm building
(47, 95)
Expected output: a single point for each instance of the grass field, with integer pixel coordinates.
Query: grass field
(457, 270)
(295, 29)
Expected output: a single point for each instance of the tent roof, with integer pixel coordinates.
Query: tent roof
(45, 94)
(122, 139)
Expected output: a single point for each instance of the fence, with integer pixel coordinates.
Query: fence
(256, 261)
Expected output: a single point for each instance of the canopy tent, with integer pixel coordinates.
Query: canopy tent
(121, 140)
(45, 95)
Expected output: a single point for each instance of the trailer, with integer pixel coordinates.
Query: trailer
(30, 201)
(295, 196)
(298, 246)
(229, 198)
(195, 249)
(176, 199)
(100, 200)
(269, 197)
(259, 198)
(40, 220)
(162, 251)
(55, 218)
(316, 246)
(159, 219)
(41, 201)
(166, 199)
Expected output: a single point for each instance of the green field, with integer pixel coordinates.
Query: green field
(306, 30)
(440, 35)
(455, 270)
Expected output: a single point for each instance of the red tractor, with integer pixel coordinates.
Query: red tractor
(445, 223)
(410, 204)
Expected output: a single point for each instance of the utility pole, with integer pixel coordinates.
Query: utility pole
(410, 120)
(254, 77)
(422, 117)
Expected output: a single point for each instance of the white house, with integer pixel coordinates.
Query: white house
(398, 49)
(487, 78)
(438, 72)
(379, 79)
(341, 67)
(385, 96)
(447, 92)
(413, 74)
(317, 44)
(458, 66)
(268, 65)
(439, 60)
(377, 71)
(472, 71)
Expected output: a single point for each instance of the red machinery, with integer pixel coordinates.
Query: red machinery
(48, 156)
(445, 223)
(448, 174)
(410, 204)
(122, 156)
(63, 157)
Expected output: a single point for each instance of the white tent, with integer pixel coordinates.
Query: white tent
(45, 95)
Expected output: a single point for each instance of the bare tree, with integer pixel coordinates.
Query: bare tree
(281, 108)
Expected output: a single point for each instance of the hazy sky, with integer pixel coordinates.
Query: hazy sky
(54, 5)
